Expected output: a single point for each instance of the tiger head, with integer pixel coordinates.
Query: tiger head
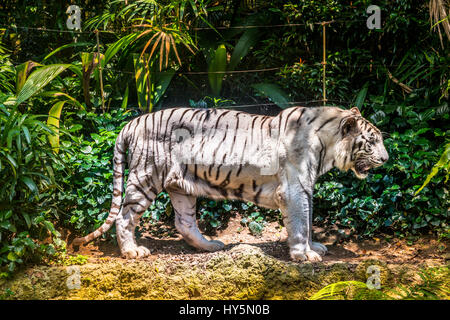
(361, 147)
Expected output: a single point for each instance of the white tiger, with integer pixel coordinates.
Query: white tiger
(273, 162)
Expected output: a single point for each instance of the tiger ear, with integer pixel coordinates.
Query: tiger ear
(349, 126)
(355, 111)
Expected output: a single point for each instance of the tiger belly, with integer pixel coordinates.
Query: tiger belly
(222, 182)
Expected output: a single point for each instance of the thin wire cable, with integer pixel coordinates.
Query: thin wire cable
(47, 30)
(255, 70)
(194, 28)
(299, 103)
(274, 25)
(202, 72)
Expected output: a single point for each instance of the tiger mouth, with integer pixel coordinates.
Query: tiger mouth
(362, 169)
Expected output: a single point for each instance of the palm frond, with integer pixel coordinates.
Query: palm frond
(439, 17)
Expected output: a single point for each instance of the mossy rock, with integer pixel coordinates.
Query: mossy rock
(242, 272)
(371, 271)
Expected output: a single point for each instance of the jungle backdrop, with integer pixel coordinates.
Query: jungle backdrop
(58, 131)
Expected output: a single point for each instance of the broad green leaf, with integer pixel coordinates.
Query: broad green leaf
(217, 66)
(27, 219)
(53, 120)
(143, 82)
(50, 227)
(26, 132)
(362, 95)
(8, 226)
(11, 160)
(163, 82)
(11, 134)
(246, 41)
(8, 215)
(274, 93)
(125, 99)
(38, 80)
(86, 149)
(30, 184)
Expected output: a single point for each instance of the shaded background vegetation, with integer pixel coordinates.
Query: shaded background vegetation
(57, 136)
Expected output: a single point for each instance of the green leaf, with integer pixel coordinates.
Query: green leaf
(443, 162)
(38, 80)
(12, 256)
(50, 227)
(246, 41)
(217, 66)
(78, 70)
(8, 226)
(143, 82)
(11, 161)
(8, 215)
(361, 95)
(11, 134)
(53, 120)
(163, 82)
(26, 132)
(27, 219)
(214, 224)
(86, 149)
(274, 93)
(65, 96)
(30, 184)
(125, 99)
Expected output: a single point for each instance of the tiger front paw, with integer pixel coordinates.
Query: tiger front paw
(305, 255)
(135, 252)
(215, 245)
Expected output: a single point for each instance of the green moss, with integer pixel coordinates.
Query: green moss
(243, 272)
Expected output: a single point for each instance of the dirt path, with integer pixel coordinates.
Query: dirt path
(165, 243)
(248, 268)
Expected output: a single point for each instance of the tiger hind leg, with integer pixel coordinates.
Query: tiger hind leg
(137, 199)
(185, 222)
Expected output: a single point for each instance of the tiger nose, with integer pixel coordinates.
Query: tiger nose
(384, 157)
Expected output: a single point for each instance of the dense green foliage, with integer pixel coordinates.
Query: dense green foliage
(88, 189)
(29, 184)
(396, 76)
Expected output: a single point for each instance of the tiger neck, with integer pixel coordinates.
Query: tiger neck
(326, 152)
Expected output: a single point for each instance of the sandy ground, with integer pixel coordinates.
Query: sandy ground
(164, 242)
(249, 267)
